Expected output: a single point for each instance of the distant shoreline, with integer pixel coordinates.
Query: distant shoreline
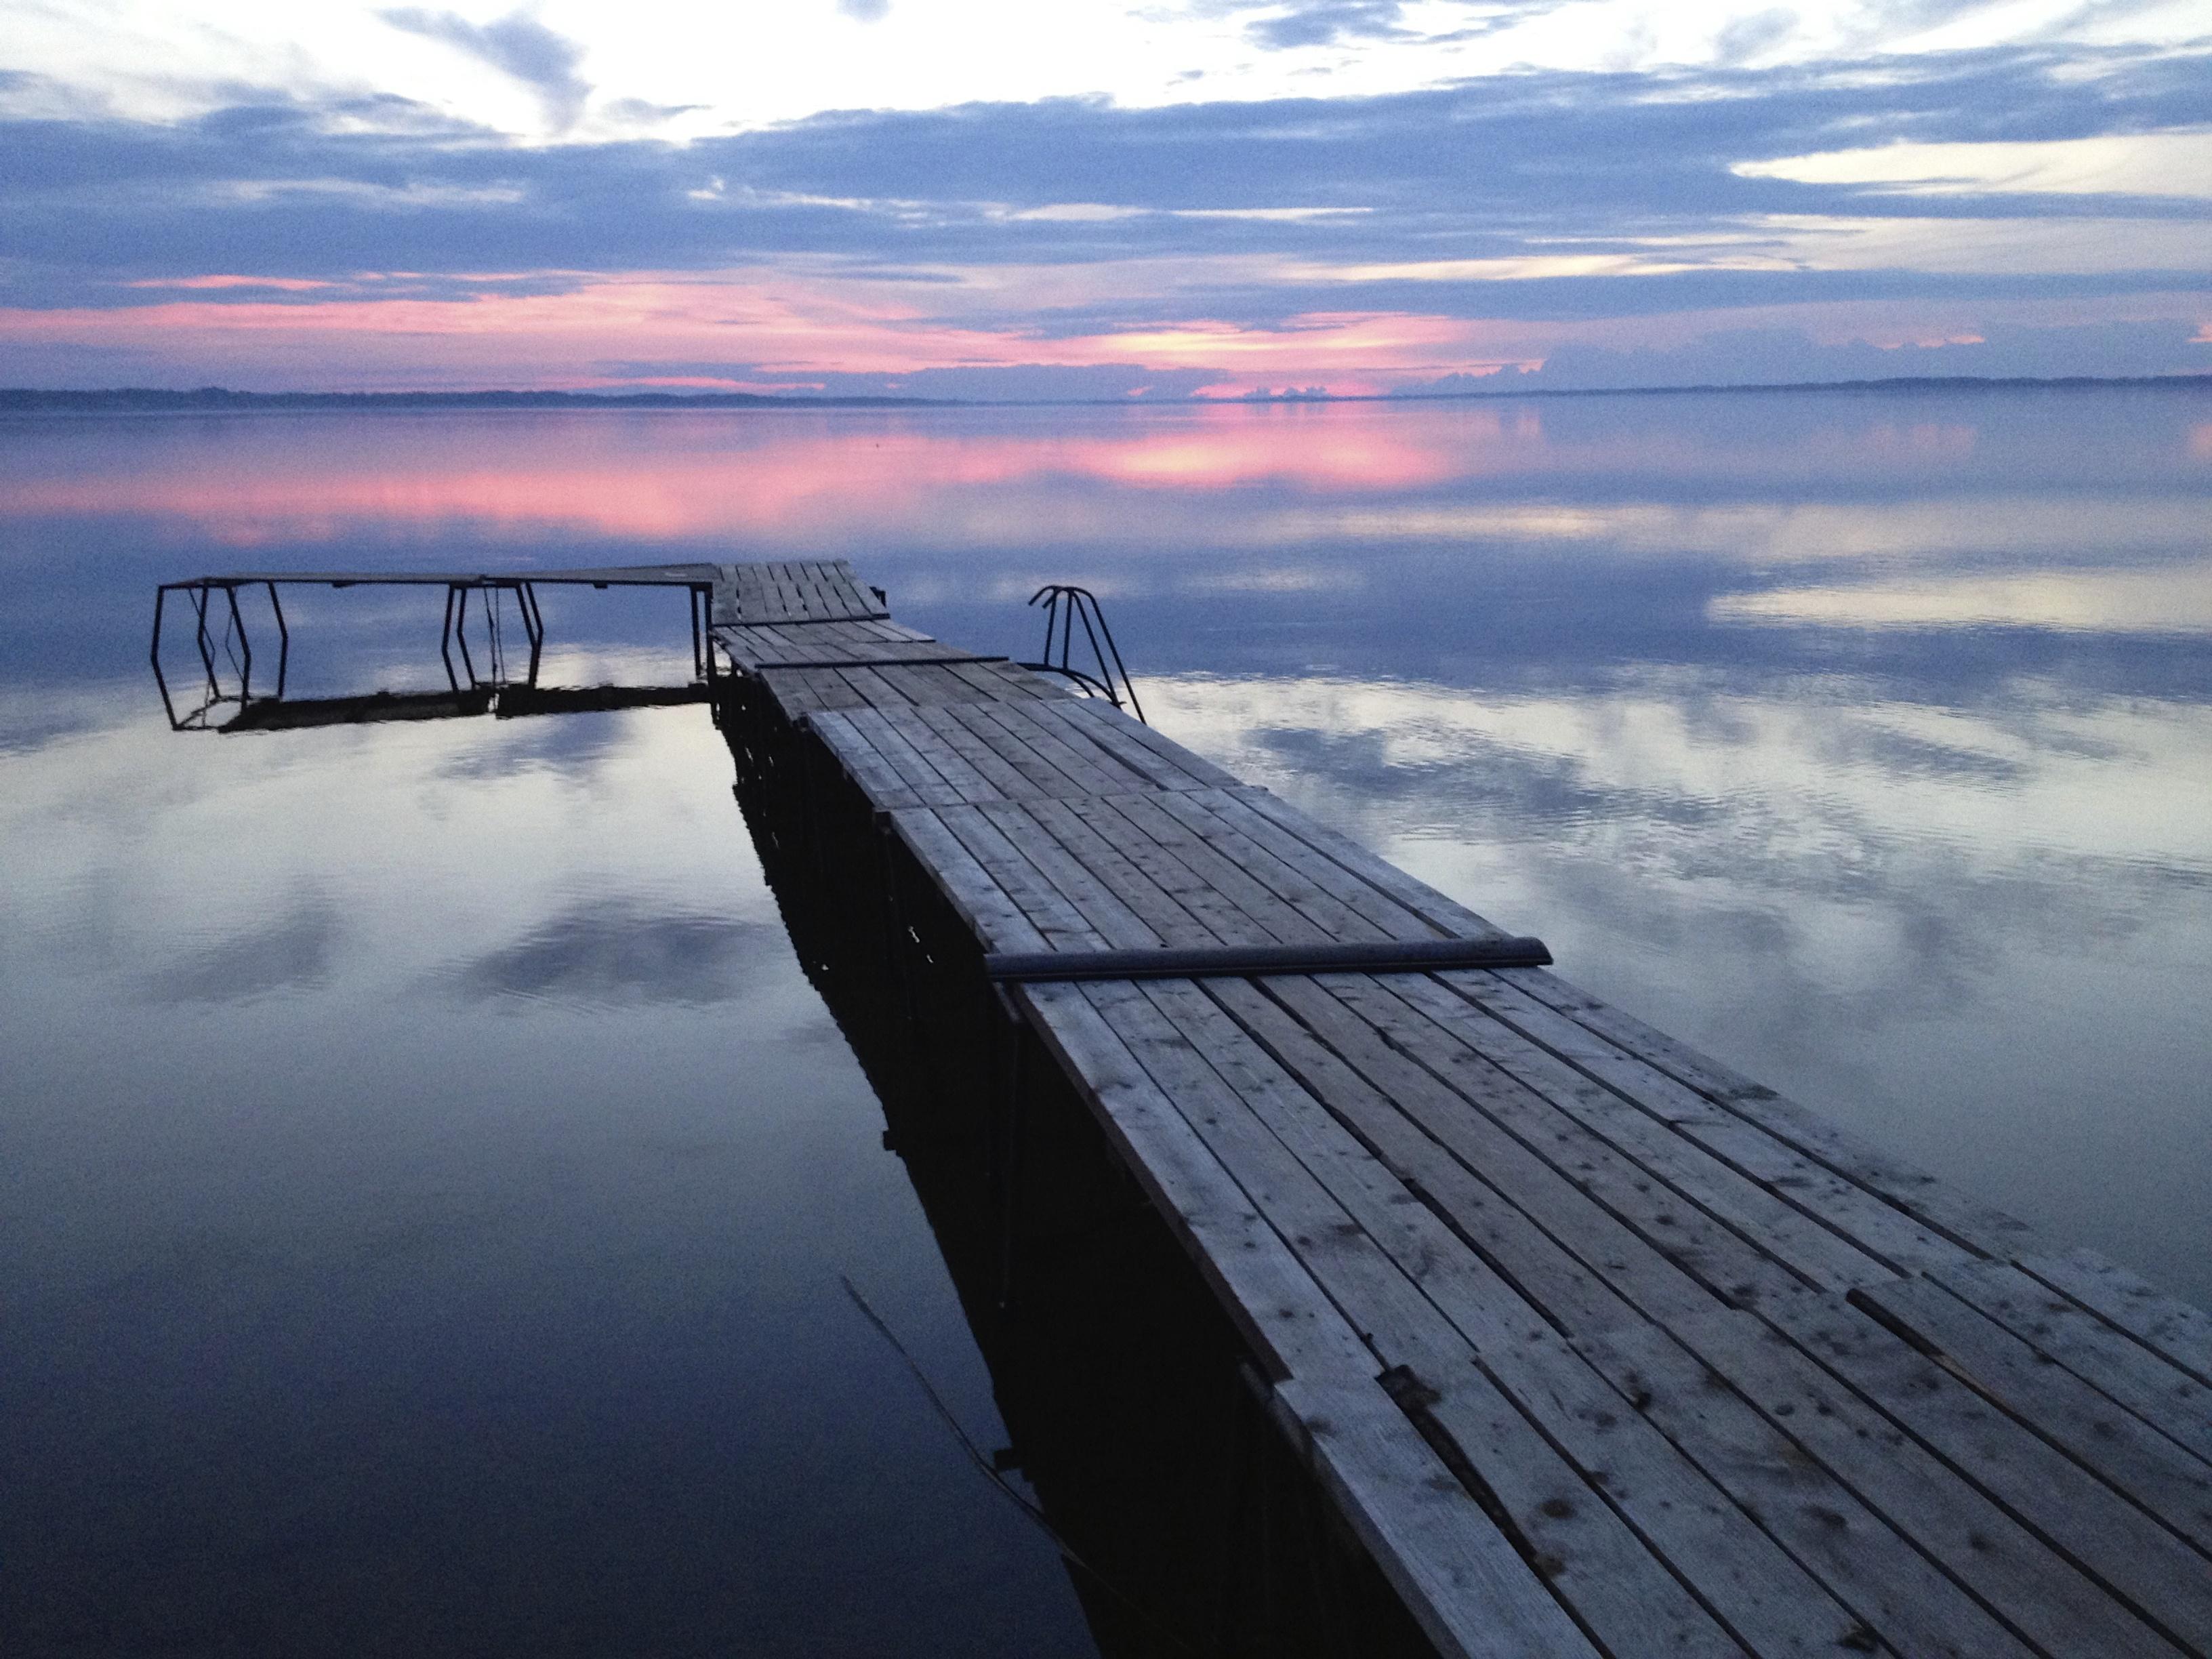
(219, 399)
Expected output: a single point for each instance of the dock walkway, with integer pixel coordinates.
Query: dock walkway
(1599, 1347)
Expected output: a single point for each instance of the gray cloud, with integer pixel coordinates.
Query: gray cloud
(1318, 22)
(516, 44)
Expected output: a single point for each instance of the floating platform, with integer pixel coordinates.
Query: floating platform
(1598, 1348)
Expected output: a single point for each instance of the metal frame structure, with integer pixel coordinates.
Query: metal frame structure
(235, 644)
(1066, 605)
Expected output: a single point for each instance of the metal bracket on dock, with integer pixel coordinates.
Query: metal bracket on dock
(226, 649)
(234, 645)
(1066, 605)
(1425, 956)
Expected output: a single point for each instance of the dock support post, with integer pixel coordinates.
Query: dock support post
(1006, 1144)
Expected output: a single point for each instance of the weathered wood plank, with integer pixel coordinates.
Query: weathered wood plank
(1436, 1547)
(1685, 1378)
(915, 734)
(1091, 769)
(1467, 1103)
(1871, 1222)
(874, 776)
(1115, 921)
(1572, 1260)
(1043, 777)
(2182, 1333)
(1117, 733)
(1285, 881)
(1005, 780)
(2144, 1565)
(1820, 1255)
(1395, 921)
(2097, 1432)
(1531, 1392)
(1283, 922)
(1229, 924)
(1447, 915)
(1945, 1208)
(1050, 912)
(2150, 1386)
(1174, 923)
(1466, 1582)
(921, 778)
(974, 894)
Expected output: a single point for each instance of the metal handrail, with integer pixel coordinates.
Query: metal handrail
(1065, 604)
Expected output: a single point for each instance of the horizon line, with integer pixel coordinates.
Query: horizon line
(22, 399)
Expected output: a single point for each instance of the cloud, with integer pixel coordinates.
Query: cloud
(991, 236)
(1787, 357)
(1319, 22)
(864, 11)
(517, 45)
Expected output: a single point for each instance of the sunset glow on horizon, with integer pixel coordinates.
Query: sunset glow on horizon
(942, 199)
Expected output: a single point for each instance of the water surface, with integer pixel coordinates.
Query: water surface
(428, 1176)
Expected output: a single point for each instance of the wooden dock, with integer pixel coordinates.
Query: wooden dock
(1599, 1348)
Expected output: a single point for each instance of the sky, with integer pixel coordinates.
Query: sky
(1092, 199)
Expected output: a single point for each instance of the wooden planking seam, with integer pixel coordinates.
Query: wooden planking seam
(1550, 1502)
(955, 768)
(1109, 729)
(1055, 768)
(2141, 1563)
(1103, 770)
(1290, 884)
(916, 777)
(1472, 1105)
(1229, 924)
(1092, 896)
(2008, 1569)
(1299, 841)
(980, 900)
(1668, 1518)
(2088, 1498)
(2097, 1432)
(2179, 1334)
(2065, 1333)
(1283, 923)
(1978, 1226)
(1871, 1222)
(1940, 1618)
(1054, 916)
(1009, 782)
(1173, 922)
(1095, 772)
(1523, 1217)
(1820, 1255)
(1461, 1577)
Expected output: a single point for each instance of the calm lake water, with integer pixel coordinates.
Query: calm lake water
(426, 1175)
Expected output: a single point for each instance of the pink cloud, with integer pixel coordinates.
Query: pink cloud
(789, 328)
